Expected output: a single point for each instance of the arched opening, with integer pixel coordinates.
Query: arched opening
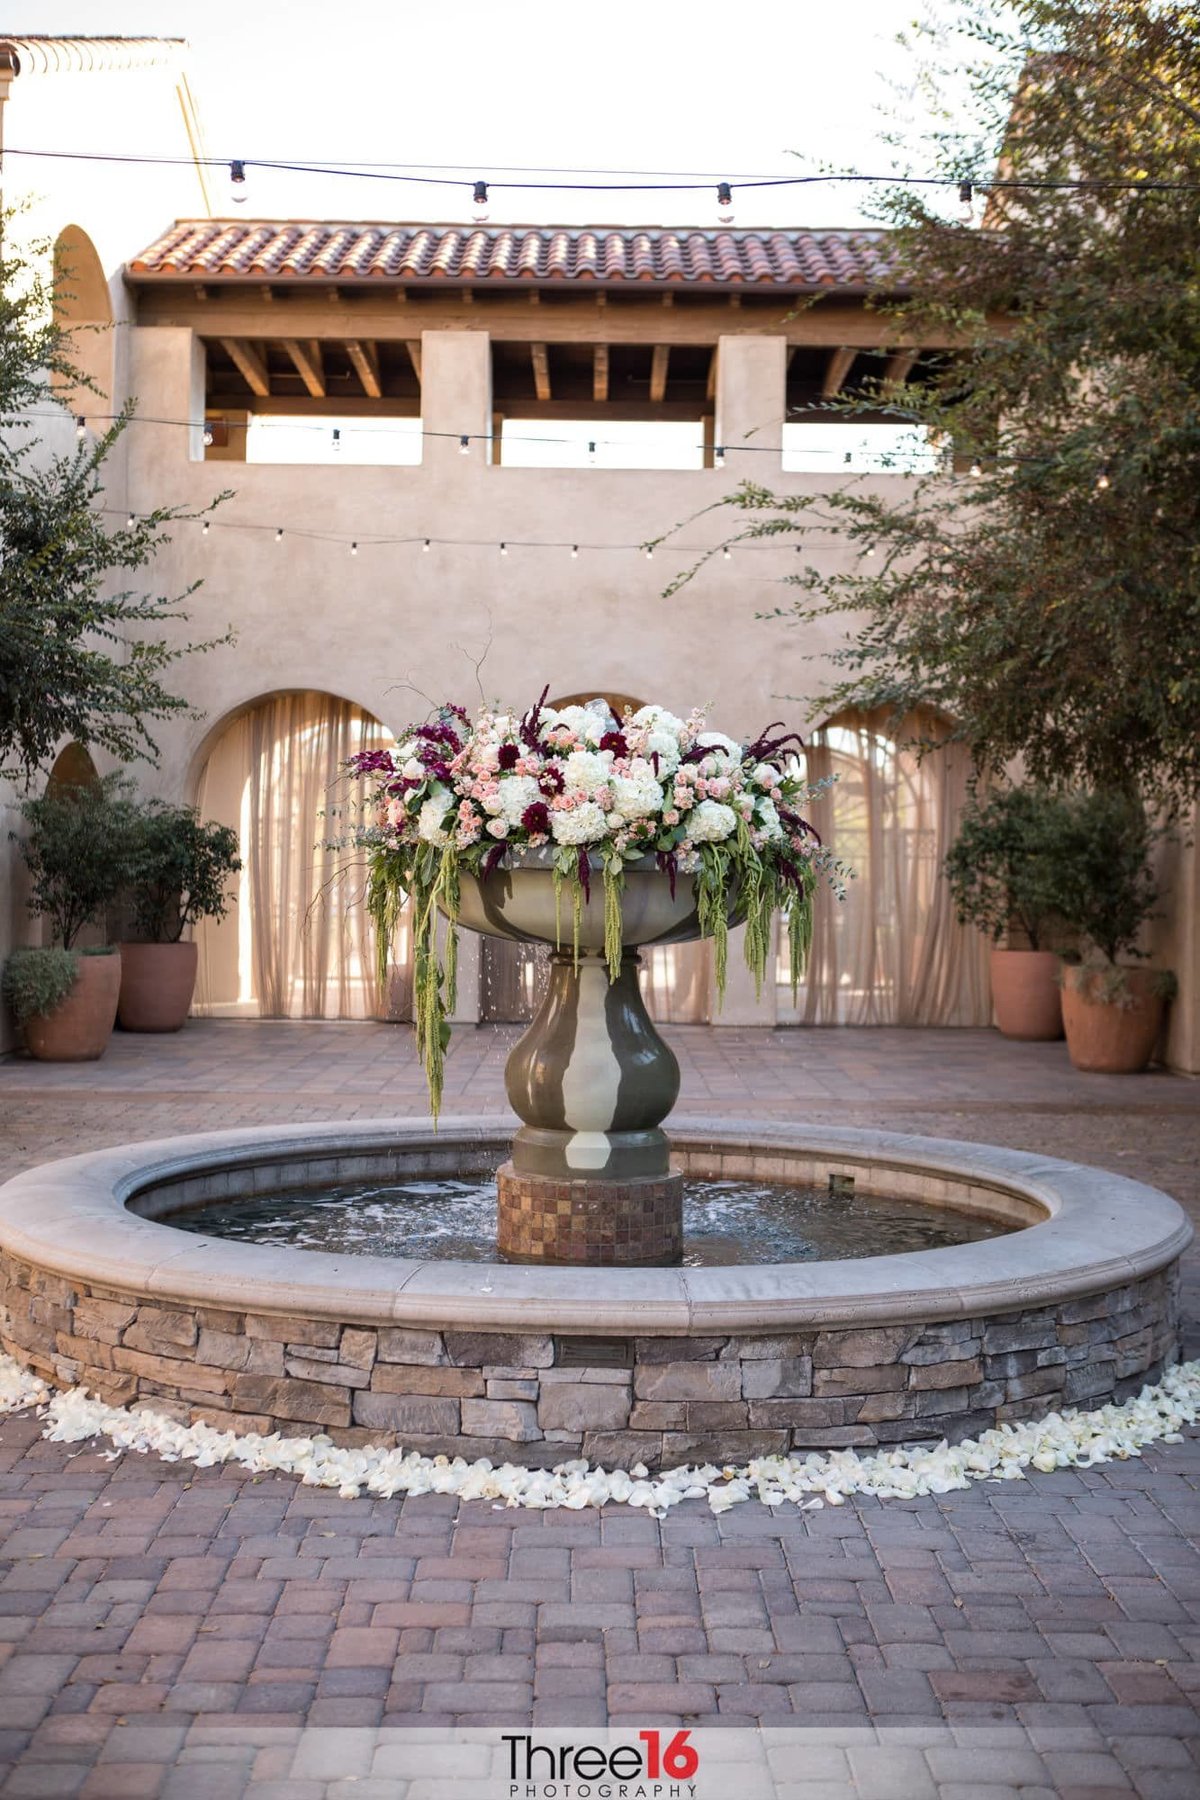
(83, 307)
(891, 953)
(676, 979)
(73, 768)
(297, 943)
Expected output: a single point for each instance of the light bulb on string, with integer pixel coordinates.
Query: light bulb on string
(80, 428)
(1102, 480)
(425, 545)
(724, 203)
(237, 182)
(966, 201)
(279, 535)
(464, 445)
(975, 469)
(719, 457)
(210, 437)
(574, 552)
(592, 450)
(479, 202)
(504, 549)
(870, 550)
(649, 552)
(337, 438)
(727, 554)
(354, 548)
(130, 522)
(204, 529)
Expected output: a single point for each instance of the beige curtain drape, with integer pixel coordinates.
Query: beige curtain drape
(299, 945)
(893, 952)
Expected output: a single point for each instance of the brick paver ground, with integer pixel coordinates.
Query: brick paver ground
(156, 1620)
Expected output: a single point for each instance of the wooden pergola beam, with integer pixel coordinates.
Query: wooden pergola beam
(600, 372)
(250, 364)
(309, 364)
(899, 366)
(365, 357)
(413, 346)
(840, 363)
(710, 386)
(659, 363)
(540, 358)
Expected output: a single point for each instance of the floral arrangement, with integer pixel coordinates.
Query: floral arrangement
(585, 793)
(1070, 1440)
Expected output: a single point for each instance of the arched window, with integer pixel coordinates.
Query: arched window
(298, 943)
(892, 953)
(82, 306)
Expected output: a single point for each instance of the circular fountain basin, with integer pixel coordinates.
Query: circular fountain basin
(1075, 1302)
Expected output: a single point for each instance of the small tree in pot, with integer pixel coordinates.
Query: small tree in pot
(1003, 876)
(179, 874)
(1112, 1009)
(77, 848)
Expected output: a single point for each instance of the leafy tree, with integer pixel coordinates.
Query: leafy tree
(1050, 603)
(81, 656)
(78, 847)
(180, 870)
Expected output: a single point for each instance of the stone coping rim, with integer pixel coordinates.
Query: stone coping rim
(70, 1218)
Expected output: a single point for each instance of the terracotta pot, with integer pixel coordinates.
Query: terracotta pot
(1111, 1037)
(1026, 995)
(157, 982)
(79, 1029)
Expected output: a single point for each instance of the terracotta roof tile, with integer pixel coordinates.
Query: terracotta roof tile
(224, 249)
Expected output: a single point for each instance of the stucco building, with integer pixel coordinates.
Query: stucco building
(359, 588)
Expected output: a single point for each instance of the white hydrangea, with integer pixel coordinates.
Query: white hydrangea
(516, 793)
(637, 794)
(587, 722)
(767, 819)
(710, 822)
(766, 775)
(586, 770)
(657, 718)
(665, 746)
(716, 740)
(581, 825)
(431, 819)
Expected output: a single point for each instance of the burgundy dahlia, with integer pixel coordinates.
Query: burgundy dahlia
(615, 741)
(508, 756)
(536, 818)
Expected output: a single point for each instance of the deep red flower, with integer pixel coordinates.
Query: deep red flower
(550, 781)
(536, 818)
(615, 741)
(508, 756)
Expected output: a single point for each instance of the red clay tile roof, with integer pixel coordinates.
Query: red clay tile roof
(275, 250)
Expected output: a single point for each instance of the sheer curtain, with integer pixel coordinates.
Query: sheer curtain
(893, 952)
(298, 944)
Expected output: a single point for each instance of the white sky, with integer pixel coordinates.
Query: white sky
(665, 85)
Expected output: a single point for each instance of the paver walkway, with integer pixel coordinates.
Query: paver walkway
(168, 1631)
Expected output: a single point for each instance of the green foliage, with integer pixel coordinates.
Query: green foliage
(1051, 606)
(81, 656)
(36, 982)
(78, 847)
(1104, 887)
(179, 870)
(1004, 864)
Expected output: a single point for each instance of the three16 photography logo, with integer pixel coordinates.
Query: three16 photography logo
(656, 1766)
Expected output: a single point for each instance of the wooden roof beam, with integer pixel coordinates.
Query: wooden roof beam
(250, 364)
(710, 386)
(899, 367)
(600, 372)
(309, 364)
(541, 370)
(413, 346)
(836, 370)
(659, 363)
(365, 357)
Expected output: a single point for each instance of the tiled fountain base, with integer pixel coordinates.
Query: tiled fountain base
(542, 1364)
(600, 1224)
(533, 1397)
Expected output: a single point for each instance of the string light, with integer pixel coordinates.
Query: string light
(337, 438)
(719, 457)
(727, 553)
(724, 203)
(479, 202)
(592, 451)
(649, 552)
(975, 469)
(237, 182)
(425, 545)
(464, 445)
(504, 549)
(966, 201)
(574, 552)
(204, 529)
(1102, 480)
(209, 437)
(354, 548)
(279, 535)
(80, 428)
(130, 522)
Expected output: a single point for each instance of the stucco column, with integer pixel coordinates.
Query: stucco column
(740, 1006)
(166, 361)
(456, 396)
(751, 403)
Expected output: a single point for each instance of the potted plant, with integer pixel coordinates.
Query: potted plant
(76, 847)
(1112, 1009)
(179, 873)
(1002, 872)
